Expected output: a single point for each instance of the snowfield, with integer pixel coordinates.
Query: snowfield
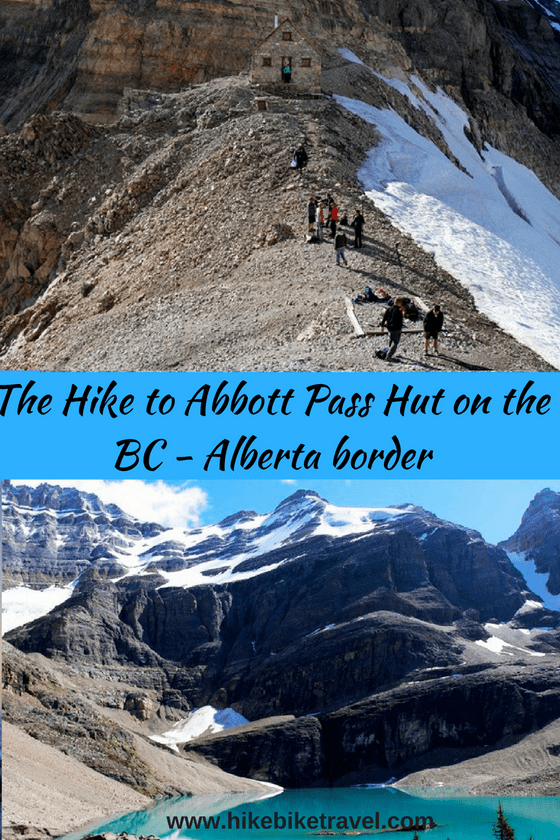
(493, 226)
(22, 604)
(205, 720)
(535, 580)
(213, 553)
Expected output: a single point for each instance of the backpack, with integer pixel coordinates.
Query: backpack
(382, 354)
(411, 312)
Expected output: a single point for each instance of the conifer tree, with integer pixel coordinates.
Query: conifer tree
(502, 830)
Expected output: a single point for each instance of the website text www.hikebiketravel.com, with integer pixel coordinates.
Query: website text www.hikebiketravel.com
(295, 820)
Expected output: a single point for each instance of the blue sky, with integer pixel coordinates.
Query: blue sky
(492, 507)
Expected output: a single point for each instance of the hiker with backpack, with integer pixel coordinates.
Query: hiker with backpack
(300, 157)
(340, 244)
(393, 322)
(433, 323)
(358, 224)
(334, 220)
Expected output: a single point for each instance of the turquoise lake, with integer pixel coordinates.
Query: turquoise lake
(460, 818)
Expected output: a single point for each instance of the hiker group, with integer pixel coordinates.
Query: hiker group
(326, 220)
(392, 321)
(324, 214)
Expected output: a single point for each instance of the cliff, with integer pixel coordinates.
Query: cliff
(122, 122)
(360, 643)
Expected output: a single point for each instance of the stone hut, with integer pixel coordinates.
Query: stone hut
(287, 62)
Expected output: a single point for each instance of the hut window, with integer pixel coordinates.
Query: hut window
(267, 61)
(306, 62)
(286, 36)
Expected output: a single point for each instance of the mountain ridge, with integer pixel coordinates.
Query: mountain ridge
(361, 612)
(78, 242)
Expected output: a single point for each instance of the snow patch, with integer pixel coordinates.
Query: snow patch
(350, 56)
(22, 604)
(536, 581)
(320, 630)
(493, 226)
(503, 636)
(203, 721)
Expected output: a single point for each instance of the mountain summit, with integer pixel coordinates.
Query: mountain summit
(535, 546)
(317, 623)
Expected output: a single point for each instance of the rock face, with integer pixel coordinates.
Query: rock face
(394, 728)
(538, 538)
(382, 626)
(284, 751)
(52, 534)
(83, 57)
(79, 202)
(47, 708)
(394, 732)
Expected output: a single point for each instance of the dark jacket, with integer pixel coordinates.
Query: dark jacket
(433, 322)
(393, 319)
(340, 240)
(358, 223)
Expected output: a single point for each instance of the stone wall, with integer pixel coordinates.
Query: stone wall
(286, 44)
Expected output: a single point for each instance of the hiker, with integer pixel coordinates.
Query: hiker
(393, 321)
(358, 225)
(340, 244)
(300, 157)
(433, 323)
(287, 73)
(334, 220)
(330, 202)
(311, 214)
(319, 221)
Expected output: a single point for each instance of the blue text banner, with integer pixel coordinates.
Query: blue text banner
(279, 425)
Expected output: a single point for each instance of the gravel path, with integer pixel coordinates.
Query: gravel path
(192, 254)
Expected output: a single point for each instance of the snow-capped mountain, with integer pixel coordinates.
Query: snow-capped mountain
(346, 618)
(534, 549)
(55, 539)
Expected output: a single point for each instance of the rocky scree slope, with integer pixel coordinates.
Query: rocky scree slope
(86, 724)
(172, 238)
(352, 616)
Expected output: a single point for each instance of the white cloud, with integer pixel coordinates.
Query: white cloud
(171, 505)
(288, 481)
